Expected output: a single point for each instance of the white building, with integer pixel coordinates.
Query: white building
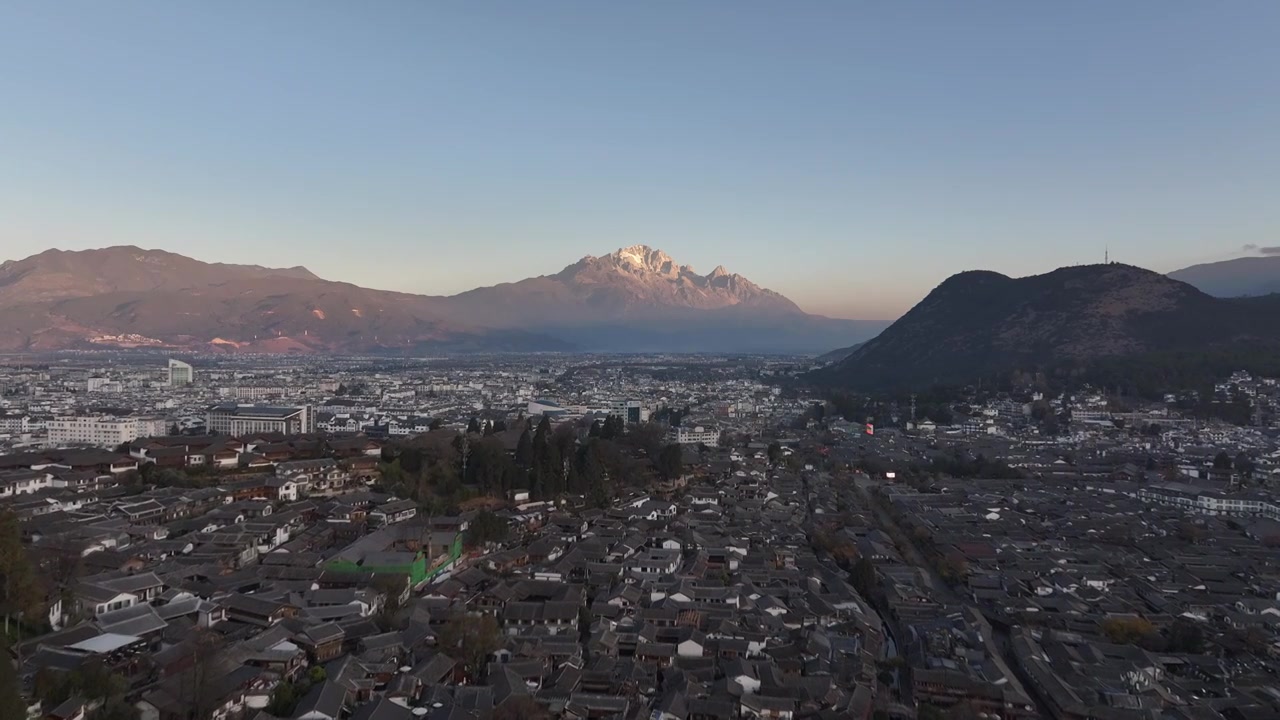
(103, 385)
(696, 435)
(107, 432)
(180, 373)
(231, 419)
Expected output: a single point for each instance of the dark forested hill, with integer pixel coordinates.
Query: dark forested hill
(981, 324)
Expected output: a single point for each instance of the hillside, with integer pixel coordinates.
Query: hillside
(1242, 277)
(634, 300)
(60, 274)
(129, 297)
(981, 324)
(639, 299)
(838, 354)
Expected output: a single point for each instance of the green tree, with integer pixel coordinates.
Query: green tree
(12, 706)
(775, 452)
(613, 428)
(1222, 461)
(486, 527)
(199, 682)
(670, 462)
(548, 471)
(473, 426)
(1185, 636)
(930, 712)
(1127, 630)
(283, 700)
(471, 639)
(1244, 465)
(23, 595)
(520, 707)
(524, 450)
(392, 588)
(863, 577)
(487, 467)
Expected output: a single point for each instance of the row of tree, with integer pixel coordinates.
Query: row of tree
(547, 462)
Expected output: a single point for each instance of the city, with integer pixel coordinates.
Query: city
(570, 360)
(626, 536)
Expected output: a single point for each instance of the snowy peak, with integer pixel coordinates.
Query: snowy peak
(640, 278)
(643, 259)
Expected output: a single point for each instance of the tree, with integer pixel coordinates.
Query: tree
(12, 706)
(953, 569)
(436, 424)
(524, 450)
(1127, 630)
(1185, 636)
(473, 426)
(22, 592)
(199, 683)
(520, 707)
(471, 639)
(548, 470)
(613, 428)
(92, 681)
(500, 426)
(486, 527)
(1222, 461)
(648, 437)
(929, 712)
(392, 588)
(283, 700)
(863, 577)
(1190, 532)
(670, 462)
(1244, 464)
(775, 452)
(487, 465)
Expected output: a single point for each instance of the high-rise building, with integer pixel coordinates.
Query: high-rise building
(233, 419)
(695, 436)
(107, 432)
(632, 412)
(104, 385)
(180, 373)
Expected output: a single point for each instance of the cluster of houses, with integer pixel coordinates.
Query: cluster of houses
(703, 602)
(1078, 599)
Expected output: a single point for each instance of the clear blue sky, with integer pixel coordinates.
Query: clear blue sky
(848, 154)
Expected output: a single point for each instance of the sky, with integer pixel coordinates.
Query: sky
(850, 155)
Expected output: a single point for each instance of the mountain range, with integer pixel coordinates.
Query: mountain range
(1241, 277)
(980, 324)
(632, 300)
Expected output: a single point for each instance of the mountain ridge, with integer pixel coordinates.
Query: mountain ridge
(633, 299)
(978, 324)
(1241, 277)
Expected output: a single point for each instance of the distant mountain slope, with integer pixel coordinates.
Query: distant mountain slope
(126, 296)
(976, 324)
(1242, 277)
(61, 274)
(640, 299)
(838, 354)
(633, 300)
